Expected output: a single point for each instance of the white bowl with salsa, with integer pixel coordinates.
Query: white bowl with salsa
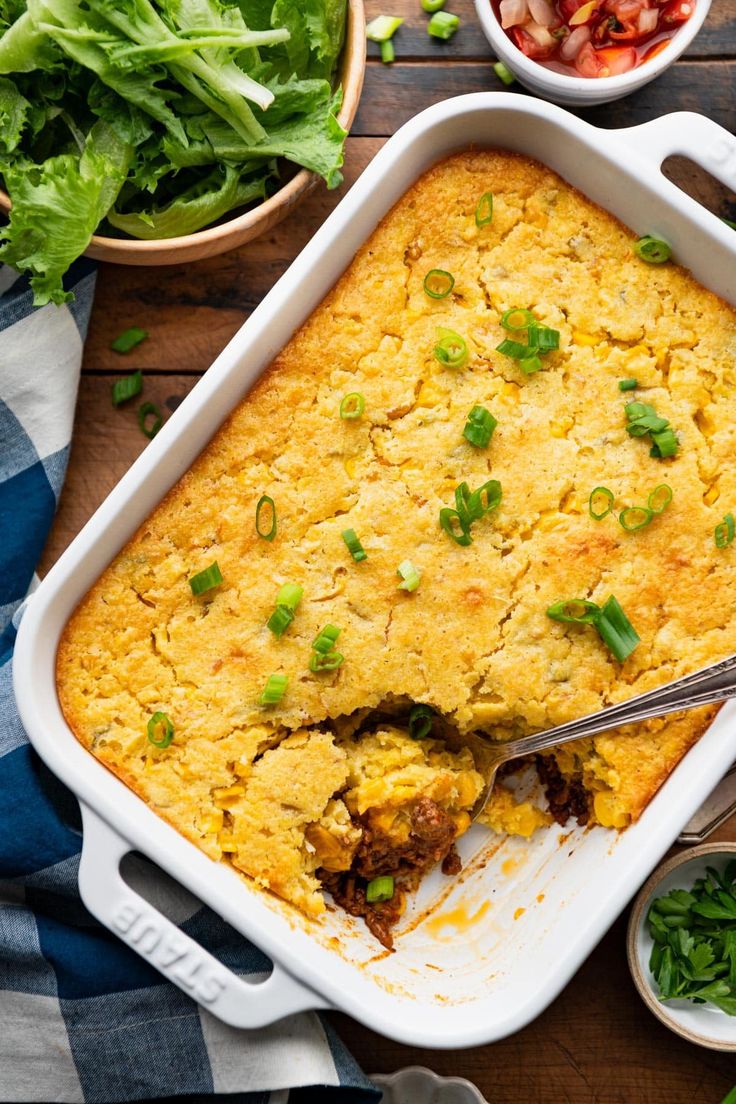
(589, 51)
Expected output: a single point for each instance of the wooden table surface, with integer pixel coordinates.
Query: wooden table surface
(597, 1042)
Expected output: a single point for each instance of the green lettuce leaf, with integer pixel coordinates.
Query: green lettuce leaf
(14, 109)
(57, 207)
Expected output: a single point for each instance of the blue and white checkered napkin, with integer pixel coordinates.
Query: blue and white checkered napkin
(82, 1018)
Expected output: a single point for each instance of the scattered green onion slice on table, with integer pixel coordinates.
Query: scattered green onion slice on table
(455, 527)
(274, 689)
(628, 384)
(388, 54)
(145, 411)
(438, 284)
(484, 206)
(432, 6)
(160, 730)
(383, 27)
(600, 503)
(660, 498)
(352, 406)
(451, 349)
(355, 548)
(127, 388)
(725, 531)
(479, 427)
(653, 250)
(616, 630)
(128, 339)
(517, 318)
(503, 73)
(421, 719)
(325, 639)
(635, 517)
(574, 611)
(443, 25)
(410, 576)
(207, 579)
(266, 505)
(380, 889)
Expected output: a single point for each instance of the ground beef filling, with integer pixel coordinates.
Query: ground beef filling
(431, 840)
(567, 798)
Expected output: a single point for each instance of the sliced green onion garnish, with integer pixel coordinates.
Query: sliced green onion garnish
(653, 250)
(544, 338)
(484, 206)
(503, 73)
(438, 284)
(485, 499)
(352, 406)
(660, 498)
(356, 549)
(664, 444)
(388, 54)
(274, 690)
(145, 411)
(325, 640)
(635, 517)
(383, 27)
(530, 365)
(455, 526)
(443, 25)
(327, 661)
(207, 579)
(433, 6)
(725, 531)
(421, 719)
(451, 349)
(280, 620)
(518, 318)
(612, 624)
(127, 388)
(266, 506)
(479, 427)
(379, 889)
(616, 630)
(409, 574)
(628, 385)
(515, 349)
(290, 595)
(128, 339)
(160, 730)
(600, 503)
(574, 611)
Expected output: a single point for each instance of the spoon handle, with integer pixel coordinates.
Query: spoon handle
(714, 683)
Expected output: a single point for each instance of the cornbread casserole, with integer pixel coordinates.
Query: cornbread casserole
(325, 787)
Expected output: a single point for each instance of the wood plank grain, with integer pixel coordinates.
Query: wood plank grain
(716, 39)
(394, 93)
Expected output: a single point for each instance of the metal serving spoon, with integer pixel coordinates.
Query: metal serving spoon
(714, 683)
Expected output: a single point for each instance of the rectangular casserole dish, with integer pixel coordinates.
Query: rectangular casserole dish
(481, 958)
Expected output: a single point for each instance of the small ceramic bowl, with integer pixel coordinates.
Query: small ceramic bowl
(241, 228)
(584, 91)
(698, 1023)
(418, 1085)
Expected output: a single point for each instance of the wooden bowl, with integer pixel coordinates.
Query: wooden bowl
(698, 1023)
(243, 228)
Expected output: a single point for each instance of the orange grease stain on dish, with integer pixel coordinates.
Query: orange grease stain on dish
(519, 912)
(458, 918)
(540, 897)
(508, 866)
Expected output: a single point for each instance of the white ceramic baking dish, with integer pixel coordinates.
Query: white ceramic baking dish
(483, 954)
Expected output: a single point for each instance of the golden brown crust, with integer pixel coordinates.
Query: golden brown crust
(473, 640)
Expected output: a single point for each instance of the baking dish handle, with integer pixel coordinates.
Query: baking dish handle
(179, 958)
(684, 132)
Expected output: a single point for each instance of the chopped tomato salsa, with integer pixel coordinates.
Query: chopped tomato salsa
(592, 38)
